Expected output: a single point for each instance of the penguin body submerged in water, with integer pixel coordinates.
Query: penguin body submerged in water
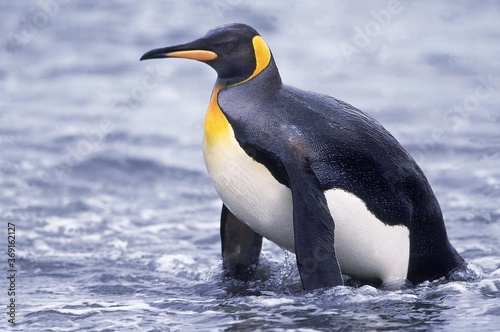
(312, 174)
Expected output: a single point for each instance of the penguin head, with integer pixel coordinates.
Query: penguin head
(236, 52)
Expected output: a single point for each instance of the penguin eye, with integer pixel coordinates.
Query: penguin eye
(231, 47)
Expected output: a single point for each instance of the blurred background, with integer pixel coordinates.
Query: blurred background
(101, 168)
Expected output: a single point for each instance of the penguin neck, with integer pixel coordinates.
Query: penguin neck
(270, 72)
(244, 93)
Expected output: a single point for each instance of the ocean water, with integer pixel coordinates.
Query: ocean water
(101, 170)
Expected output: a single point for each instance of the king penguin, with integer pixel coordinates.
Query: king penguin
(312, 174)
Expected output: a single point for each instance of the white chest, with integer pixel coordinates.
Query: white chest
(250, 191)
(365, 246)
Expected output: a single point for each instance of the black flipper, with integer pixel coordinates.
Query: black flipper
(240, 247)
(313, 230)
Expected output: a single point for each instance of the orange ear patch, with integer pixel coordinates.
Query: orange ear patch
(262, 56)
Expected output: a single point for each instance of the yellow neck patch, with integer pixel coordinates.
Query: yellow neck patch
(216, 125)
